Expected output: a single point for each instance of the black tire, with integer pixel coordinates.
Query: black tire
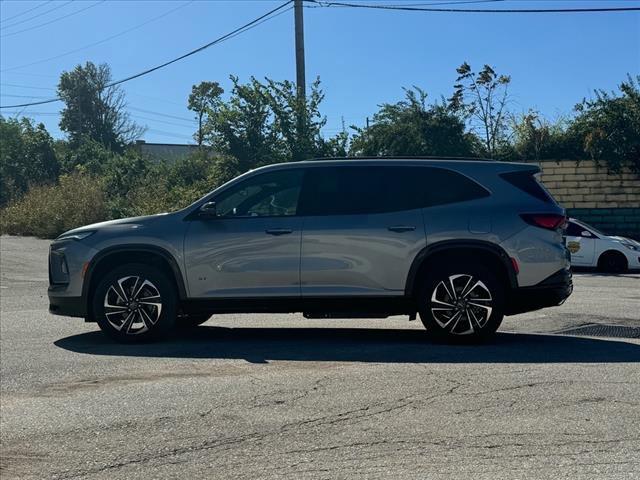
(612, 262)
(192, 320)
(472, 317)
(138, 298)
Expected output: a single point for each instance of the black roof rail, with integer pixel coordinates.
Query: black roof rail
(403, 157)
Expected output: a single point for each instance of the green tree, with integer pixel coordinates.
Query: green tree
(242, 128)
(536, 138)
(412, 127)
(94, 109)
(482, 98)
(27, 157)
(607, 127)
(297, 121)
(204, 100)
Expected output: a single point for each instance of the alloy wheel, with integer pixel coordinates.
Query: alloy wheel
(132, 305)
(461, 304)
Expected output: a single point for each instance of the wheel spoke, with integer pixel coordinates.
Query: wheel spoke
(465, 290)
(123, 293)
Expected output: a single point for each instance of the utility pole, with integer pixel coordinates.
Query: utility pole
(301, 120)
(300, 80)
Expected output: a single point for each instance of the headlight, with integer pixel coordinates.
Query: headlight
(75, 236)
(631, 247)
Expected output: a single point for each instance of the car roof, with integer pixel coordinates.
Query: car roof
(454, 163)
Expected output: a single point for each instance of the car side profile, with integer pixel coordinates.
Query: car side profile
(459, 242)
(590, 247)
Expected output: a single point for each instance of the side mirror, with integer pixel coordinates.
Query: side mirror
(586, 233)
(208, 210)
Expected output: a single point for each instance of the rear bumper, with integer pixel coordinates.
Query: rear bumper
(551, 292)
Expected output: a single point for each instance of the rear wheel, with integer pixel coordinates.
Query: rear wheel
(459, 302)
(612, 262)
(135, 303)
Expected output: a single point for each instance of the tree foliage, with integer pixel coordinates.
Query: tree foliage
(412, 127)
(27, 157)
(608, 126)
(94, 110)
(482, 98)
(204, 100)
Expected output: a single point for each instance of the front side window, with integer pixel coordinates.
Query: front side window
(271, 194)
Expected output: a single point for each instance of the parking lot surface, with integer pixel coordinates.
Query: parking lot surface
(555, 395)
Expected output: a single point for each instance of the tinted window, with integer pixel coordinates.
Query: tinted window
(438, 186)
(575, 230)
(367, 189)
(266, 195)
(528, 183)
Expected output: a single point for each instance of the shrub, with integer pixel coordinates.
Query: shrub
(47, 211)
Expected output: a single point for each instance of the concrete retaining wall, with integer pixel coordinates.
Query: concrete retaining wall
(608, 201)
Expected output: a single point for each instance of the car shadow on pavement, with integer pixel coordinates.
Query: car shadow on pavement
(261, 345)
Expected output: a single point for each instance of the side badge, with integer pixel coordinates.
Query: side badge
(573, 247)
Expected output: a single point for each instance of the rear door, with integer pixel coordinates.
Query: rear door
(361, 231)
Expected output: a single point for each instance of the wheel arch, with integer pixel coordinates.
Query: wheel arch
(486, 252)
(111, 257)
(612, 253)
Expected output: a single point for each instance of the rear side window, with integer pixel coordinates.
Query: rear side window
(528, 183)
(370, 189)
(438, 186)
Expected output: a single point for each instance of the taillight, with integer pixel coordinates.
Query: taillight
(550, 221)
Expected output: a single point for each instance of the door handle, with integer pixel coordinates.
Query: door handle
(278, 231)
(402, 228)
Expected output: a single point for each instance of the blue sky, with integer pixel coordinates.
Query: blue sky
(363, 57)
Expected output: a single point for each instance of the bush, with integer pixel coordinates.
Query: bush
(47, 211)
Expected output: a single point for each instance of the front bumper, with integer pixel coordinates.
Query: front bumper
(65, 305)
(551, 292)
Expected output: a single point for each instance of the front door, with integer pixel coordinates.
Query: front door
(251, 248)
(581, 243)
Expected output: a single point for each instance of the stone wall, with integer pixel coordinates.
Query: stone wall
(608, 201)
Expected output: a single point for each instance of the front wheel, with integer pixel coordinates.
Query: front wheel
(135, 303)
(461, 302)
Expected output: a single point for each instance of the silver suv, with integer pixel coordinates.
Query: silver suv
(460, 242)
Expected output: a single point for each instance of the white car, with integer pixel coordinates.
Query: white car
(592, 248)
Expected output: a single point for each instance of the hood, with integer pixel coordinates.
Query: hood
(626, 240)
(131, 222)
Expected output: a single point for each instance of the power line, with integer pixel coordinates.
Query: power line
(25, 86)
(25, 11)
(124, 32)
(169, 134)
(52, 21)
(233, 33)
(57, 7)
(20, 96)
(474, 10)
(163, 121)
(161, 114)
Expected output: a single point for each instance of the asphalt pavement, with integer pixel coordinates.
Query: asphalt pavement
(556, 395)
